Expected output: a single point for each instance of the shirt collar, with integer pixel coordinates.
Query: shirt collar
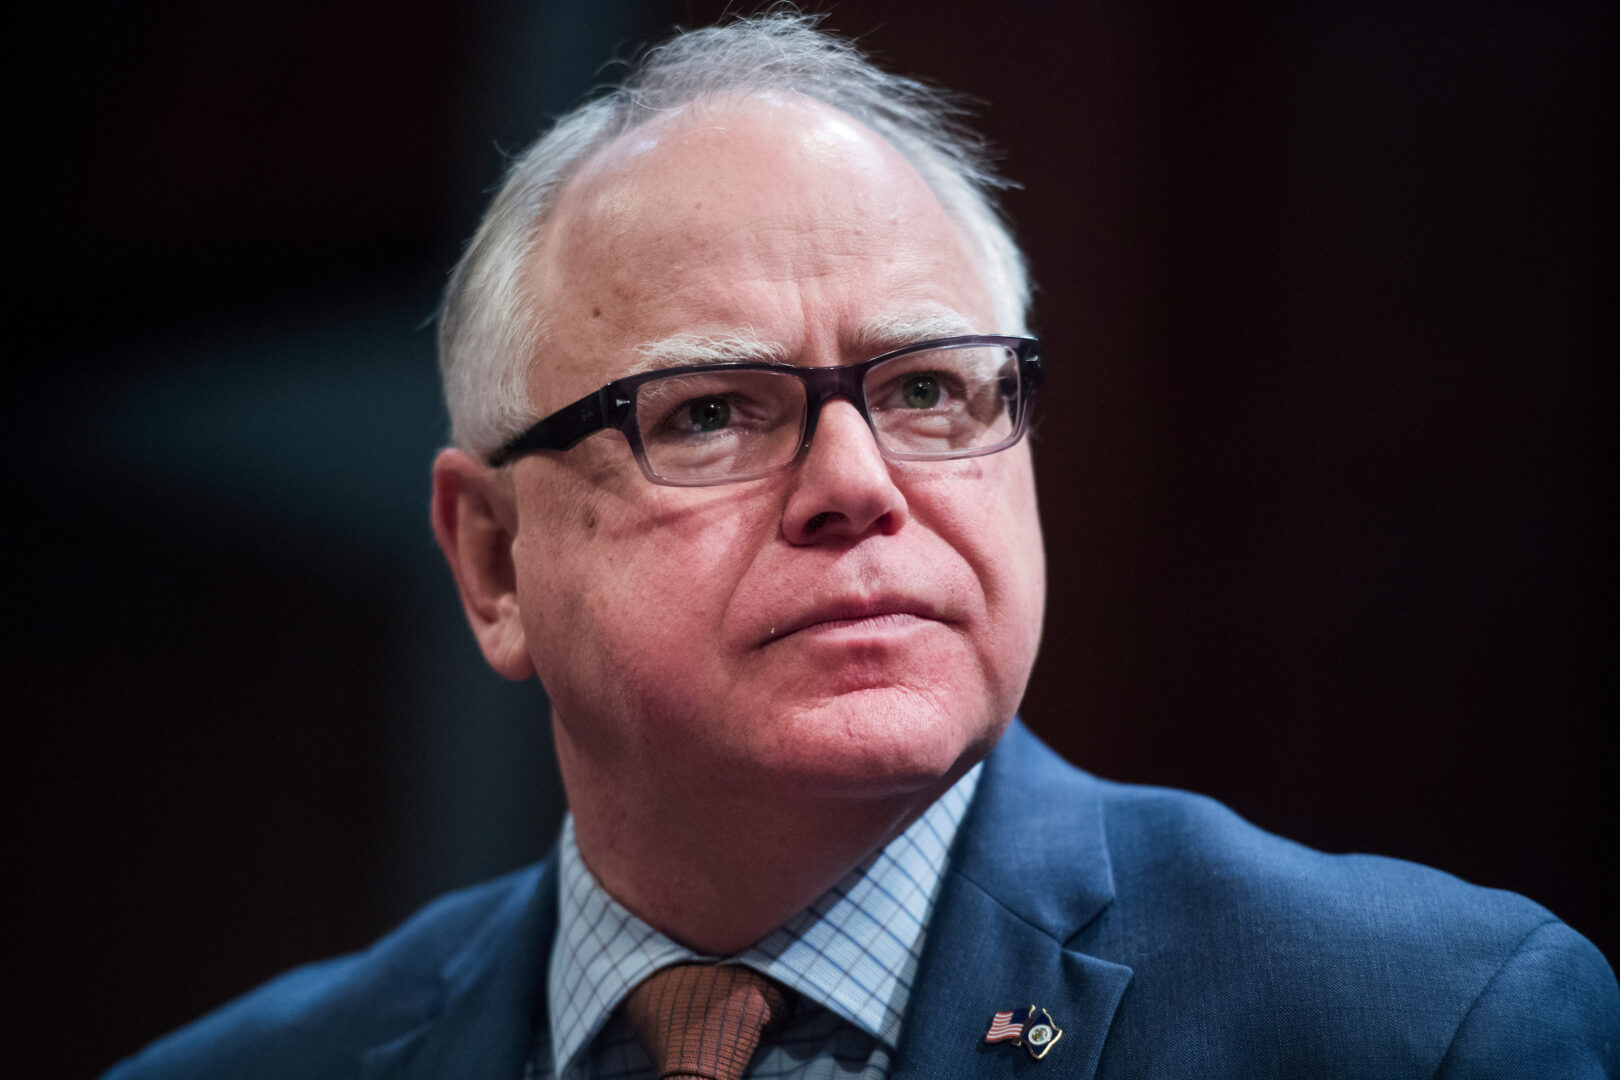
(854, 950)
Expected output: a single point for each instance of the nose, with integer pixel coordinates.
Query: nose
(843, 490)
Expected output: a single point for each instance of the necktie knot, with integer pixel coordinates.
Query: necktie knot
(703, 1021)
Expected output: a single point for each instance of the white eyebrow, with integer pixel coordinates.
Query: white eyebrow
(896, 331)
(743, 345)
(684, 350)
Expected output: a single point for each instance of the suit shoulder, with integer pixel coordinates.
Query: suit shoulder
(1221, 919)
(1161, 839)
(319, 1020)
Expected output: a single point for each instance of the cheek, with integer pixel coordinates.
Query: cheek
(986, 510)
(1025, 543)
(1023, 560)
(614, 590)
(988, 514)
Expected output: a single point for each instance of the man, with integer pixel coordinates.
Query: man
(784, 610)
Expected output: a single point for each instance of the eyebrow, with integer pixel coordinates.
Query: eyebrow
(685, 350)
(879, 335)
(875, 336)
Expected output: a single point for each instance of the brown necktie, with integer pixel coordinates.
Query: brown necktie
(698, 1020)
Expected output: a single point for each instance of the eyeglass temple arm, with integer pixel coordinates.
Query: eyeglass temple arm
(566, 427)
(1031, 371)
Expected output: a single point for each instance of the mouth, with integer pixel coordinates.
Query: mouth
(856, 618)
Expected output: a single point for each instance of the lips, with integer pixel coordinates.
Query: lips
(854, 612)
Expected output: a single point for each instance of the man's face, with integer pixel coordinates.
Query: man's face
(851, 626)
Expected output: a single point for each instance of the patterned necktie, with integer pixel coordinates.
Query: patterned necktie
(698, 1020)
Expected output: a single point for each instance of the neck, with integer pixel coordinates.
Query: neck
(715, 867)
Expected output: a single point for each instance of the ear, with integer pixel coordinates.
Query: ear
(475, 522)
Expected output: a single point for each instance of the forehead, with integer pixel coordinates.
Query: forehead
(770, 218)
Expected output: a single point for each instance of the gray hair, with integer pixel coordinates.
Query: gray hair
(490, 328)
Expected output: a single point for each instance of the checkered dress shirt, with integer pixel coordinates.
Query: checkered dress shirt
(851, 956)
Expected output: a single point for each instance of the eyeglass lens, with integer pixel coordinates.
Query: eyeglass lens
(736, 423)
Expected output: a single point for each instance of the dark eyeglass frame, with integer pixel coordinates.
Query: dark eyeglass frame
(613, 406)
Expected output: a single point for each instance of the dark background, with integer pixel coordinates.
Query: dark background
(1325, 465)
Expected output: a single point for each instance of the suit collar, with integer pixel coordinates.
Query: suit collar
(1034, 838)
(1029, 871)
(491, 994)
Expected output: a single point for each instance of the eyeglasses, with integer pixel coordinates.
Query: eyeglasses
(721, 423)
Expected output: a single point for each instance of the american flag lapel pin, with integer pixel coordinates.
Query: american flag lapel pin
(1031, 1028)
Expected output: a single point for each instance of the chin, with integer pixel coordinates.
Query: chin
(878, 743)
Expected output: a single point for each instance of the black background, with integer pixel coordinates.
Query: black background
(1325, 465)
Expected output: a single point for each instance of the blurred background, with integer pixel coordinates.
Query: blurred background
(1328, 300)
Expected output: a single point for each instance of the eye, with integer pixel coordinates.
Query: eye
(920, 392)
(709, 413)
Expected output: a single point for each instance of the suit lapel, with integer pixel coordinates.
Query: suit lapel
(493, 994)
(1029, 870)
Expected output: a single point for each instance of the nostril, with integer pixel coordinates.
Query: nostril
(817, 522)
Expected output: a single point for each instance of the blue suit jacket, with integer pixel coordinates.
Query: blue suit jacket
(1165, 936)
